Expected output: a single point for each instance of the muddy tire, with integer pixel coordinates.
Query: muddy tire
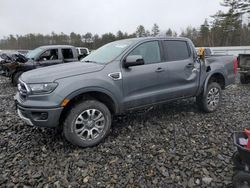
(87, 123)
(241, 179)
(210, 101)
(243, 79)
(237, 161)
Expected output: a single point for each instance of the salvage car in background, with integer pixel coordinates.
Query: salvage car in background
(241, 52)
(244, 68)
(10, 57)
(40, 57)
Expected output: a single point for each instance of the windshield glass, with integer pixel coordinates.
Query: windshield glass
(33, 54)
(108, 52)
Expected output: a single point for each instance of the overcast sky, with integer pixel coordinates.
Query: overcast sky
(101, 16)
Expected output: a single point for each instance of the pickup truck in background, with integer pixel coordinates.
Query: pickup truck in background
(244, 68)
(40, 57)
(121, 76)
(82, 52)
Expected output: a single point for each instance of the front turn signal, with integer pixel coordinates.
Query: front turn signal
(65, 102)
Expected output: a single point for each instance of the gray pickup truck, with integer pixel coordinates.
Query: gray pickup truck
(124, 75)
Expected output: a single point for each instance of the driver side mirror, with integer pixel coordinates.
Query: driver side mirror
(133, 60)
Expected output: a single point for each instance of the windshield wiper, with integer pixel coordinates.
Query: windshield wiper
(89, 61)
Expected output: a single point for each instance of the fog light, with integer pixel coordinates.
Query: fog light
(40, 116)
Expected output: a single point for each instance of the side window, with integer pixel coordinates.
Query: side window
(150, 51)
(49, 55)
(67, 53)
(176, 50)
(83, 51)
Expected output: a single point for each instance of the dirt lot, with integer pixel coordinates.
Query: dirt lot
(140, 151)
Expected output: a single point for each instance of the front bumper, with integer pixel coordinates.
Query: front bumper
(39, 117)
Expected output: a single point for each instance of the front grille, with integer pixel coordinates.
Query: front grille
(23, 89)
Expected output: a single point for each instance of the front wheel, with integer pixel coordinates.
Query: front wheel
(210, 101)
(87, 124)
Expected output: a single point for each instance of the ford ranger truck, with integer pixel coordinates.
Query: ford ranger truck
(82, 97)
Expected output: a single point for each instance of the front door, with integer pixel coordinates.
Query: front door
(49, 57)
(140, 83)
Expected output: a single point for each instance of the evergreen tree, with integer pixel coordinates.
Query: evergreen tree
(169, 33)
(231, 23)
(204, 34)
(155, 30)
(140, 31)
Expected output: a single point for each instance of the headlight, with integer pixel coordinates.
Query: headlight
(42, 88)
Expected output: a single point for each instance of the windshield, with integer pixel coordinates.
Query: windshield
(33, 54)
(108, 52)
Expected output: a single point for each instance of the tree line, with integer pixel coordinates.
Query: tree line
(230, 28)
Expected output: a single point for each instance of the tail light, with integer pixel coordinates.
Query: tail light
(235, 65)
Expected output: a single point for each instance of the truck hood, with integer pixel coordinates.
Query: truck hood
(55, 72)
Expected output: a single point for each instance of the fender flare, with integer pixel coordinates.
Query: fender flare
(208, 78)
(95, 89)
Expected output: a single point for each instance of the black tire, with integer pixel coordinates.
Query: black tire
(202, 99)
(243, 79)
(241, 179)
(237, 161)
(81, 112)
(15, 77)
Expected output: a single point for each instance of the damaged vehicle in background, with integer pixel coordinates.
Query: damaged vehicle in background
(244, 68)
(9, 57)
(40, 57)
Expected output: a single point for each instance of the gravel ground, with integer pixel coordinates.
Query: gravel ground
(140, 151)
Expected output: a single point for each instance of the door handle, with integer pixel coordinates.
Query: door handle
(159, 69)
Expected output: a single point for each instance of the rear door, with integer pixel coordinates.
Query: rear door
(140, 83)
(68, 55)
(181, 71)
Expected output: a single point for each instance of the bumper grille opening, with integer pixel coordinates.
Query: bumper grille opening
(40, 116)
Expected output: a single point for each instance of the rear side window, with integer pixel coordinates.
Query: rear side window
(83, 51)
(150, 51)
(176, 50)
(67, 53)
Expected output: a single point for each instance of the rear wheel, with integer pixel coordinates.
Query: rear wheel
(210, 101)
(15, 77)
(244, 79)
(87, 124)
(237, 161)
(241, 180)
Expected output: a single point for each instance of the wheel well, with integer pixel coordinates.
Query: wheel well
(102, 97)
(218, 78)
